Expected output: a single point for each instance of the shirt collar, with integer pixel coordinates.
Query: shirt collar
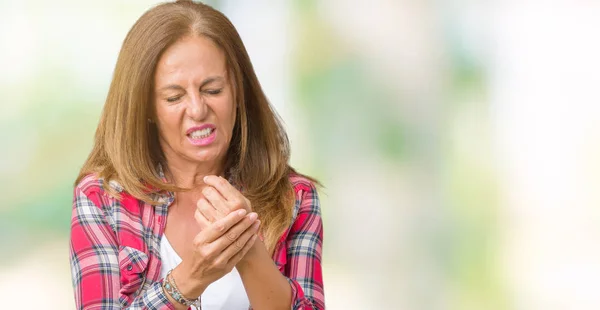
(162, 197)
(115, 185)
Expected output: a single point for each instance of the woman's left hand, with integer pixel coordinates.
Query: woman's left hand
(220, 198)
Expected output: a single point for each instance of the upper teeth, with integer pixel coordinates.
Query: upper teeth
(200, 133)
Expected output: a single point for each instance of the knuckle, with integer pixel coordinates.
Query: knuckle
(239, 244)
(205, 251)
(232, 236)
(229, 208)
(197, 243)
(220, 226)
(219, 264)
(234, 202)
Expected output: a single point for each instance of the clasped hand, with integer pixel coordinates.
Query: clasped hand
(228, 231)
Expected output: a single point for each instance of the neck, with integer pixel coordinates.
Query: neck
(191, 175)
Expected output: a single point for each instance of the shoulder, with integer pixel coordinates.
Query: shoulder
(301, 184)
(89, 184)
(92, 184)
(107, 200)
(307, 200)
(92, 188)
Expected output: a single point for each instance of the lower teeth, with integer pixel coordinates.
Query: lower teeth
(201, 137)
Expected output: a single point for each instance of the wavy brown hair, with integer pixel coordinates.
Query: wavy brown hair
(126, 147)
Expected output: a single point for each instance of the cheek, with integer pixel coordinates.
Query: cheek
(167, 120)
(226, 114)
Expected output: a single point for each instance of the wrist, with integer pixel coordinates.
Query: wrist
(189, 287)
(251, 255)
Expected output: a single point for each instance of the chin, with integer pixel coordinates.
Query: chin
(204, 156)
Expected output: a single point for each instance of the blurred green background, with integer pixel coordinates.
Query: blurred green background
(458, 142)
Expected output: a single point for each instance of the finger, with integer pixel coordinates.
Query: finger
(239, 255)
(225, 188)
(234, 199)
(229, 237)
(201, 219)
(236, 247)
(217, 201)
(207, 209)
(218, 228)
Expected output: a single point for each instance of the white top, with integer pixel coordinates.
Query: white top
(224, 294)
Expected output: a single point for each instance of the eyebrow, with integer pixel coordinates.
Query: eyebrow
(206, 81)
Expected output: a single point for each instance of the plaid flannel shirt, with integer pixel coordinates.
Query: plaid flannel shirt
(115, 254)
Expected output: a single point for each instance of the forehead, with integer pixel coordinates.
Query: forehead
(191, 58)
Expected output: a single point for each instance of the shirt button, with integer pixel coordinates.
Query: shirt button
(129, 267)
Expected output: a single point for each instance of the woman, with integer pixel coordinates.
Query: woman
(187, 198)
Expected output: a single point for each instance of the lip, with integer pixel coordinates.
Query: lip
(202, 141)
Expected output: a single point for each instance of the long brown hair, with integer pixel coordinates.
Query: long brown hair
(126, 147)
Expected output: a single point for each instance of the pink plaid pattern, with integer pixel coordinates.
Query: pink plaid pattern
(115, 254)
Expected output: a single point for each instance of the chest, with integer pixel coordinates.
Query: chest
(139, 228)
(181, 229)
(227, 292)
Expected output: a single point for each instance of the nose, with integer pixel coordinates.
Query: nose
(197, 108)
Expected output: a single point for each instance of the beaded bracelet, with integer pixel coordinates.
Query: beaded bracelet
(171, 288)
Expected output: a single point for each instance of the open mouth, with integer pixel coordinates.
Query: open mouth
(201, 134)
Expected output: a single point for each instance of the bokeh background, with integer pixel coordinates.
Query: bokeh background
(458, 140)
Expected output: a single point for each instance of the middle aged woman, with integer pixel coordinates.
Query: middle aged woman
(187, 198)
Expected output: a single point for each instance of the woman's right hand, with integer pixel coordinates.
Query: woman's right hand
(217, 249)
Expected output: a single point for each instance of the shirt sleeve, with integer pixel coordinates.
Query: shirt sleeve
(305, 244)
(94, 261)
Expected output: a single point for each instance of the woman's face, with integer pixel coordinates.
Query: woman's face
(194, 101)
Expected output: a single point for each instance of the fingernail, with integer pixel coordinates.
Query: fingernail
(241, 212)
(205, 178)
(257, 224)
(253, 216)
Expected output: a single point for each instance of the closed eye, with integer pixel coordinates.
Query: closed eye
(173, 99)
(213, 91)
